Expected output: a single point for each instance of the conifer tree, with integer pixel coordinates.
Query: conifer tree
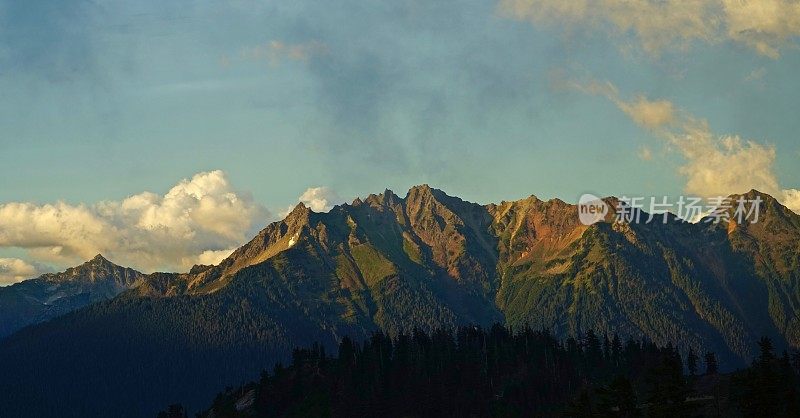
(711, 363)
(618, 399)
(691, 362)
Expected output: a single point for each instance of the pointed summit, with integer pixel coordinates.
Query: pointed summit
(95, 262)
(54, 294)
(300, 208)
(299, 217)
(300, 213)
(96, 269)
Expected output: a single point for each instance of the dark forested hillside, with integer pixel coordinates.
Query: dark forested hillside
(479, 373)
(427, 261)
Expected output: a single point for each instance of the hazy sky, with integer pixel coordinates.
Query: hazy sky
(238, 107)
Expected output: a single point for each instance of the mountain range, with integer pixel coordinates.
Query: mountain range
(428, 261)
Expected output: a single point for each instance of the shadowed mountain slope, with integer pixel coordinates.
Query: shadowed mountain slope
(54, 294)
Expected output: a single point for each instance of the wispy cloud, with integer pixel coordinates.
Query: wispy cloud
(275, 51)
(766, 26)
(715, 165)
(647, 113)
(644, 153)
(756, 75)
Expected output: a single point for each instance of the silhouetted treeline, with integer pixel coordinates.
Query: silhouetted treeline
(472, 372)
(770, 387)
(496, 372)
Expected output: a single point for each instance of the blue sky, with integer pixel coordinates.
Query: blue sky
(102, 100)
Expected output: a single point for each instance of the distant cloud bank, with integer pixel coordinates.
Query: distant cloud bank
(13, 270)
(198, 221)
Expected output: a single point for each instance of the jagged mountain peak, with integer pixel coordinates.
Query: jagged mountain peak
(753, 194)
(769, 204)
(273, 239)
(54, 294)
(300, 216)
(99, 257)
(96, 268)
(419, 188)
(425, 196)
(387, 198)
(425, 191)
(741, 213)
(300, 210)
(99, 260)
(770, 233)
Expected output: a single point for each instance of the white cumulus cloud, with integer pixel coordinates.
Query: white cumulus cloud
(721, 165)
(319, 199)
(791, 198)
(198, 221)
